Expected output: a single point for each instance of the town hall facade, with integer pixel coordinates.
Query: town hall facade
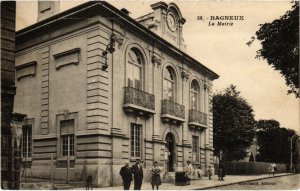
(100, 88)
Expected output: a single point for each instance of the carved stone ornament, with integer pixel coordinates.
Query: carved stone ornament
(206, 86)
(16, 124)
(118, 39)
(68, 57)
(185, 74)
(24, 70)
(153, 25)
(156, 59)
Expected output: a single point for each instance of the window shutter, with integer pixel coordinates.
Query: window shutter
(130, 83)
(138, 84)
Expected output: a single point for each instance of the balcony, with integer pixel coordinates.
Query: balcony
(197, 119)
(138, 102)
(172, 112)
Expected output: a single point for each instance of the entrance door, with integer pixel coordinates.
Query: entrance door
(171, 147)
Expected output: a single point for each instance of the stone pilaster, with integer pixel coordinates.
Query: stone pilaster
(45, 53)
(97, 82)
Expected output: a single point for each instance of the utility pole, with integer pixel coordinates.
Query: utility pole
(51, 168)
(68, 161)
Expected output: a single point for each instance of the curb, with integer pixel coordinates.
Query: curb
(227, 184)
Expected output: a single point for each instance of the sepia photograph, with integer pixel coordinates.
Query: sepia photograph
(150, 95)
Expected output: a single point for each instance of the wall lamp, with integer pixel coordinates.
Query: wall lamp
(110, 48)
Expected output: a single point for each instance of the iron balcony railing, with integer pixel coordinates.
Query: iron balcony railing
(140, 98)
(197, 117)
(172, 108)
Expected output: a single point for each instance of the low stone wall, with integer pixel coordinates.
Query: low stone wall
(250, 168)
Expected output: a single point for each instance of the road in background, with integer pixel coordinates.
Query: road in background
(291, 182)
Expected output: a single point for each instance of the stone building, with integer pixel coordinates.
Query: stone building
(11, 123)
(101, 88)
(8, 90)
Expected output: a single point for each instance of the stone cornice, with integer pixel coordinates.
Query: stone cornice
(101, 7)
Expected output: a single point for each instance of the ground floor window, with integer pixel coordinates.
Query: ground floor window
(67, 145)
(195, 148)
(27, 141)
(135, 140)
(67, 137)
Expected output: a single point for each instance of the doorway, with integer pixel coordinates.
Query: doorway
(170, 149)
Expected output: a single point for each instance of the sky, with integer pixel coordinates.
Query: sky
(223, 49)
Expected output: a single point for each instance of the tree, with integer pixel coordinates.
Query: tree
(280, 46)
(273, 142)
(233, 124)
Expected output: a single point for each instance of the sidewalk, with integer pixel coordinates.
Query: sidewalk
(199, 184)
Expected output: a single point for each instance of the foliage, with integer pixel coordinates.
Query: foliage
(273, 142)
(280, 46)
(233, 124)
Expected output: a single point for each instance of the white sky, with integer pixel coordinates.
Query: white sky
(221, 48)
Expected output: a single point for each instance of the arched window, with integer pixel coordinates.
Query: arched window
(195, 95)
(134, 69)
(169, 84)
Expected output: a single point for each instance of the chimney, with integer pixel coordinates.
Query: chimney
(125, 11)
(47, 9)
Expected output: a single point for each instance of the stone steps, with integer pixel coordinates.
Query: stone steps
(64, 186)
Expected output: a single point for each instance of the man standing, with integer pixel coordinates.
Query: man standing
(188, 172)
(126, 174)
(221, 173)
(273, 168)
(137, 171)
(209, 172)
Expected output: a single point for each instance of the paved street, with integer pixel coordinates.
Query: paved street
(278, 183)
(283, 181)
(198, 184)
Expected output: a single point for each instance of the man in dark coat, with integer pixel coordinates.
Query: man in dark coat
(221, 173)
(137, 171)
(89, 182)
(126, 174)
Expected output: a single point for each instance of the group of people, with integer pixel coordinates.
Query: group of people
(136, 170)
(189, 171)
(272, 169)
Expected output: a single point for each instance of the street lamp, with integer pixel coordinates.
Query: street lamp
(291, 164)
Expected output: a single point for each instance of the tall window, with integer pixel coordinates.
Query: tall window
(135, 140)
(67, 137)
(134, 68)
(195, 96)
(195, 148)
(169, 84)
(27, 141)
